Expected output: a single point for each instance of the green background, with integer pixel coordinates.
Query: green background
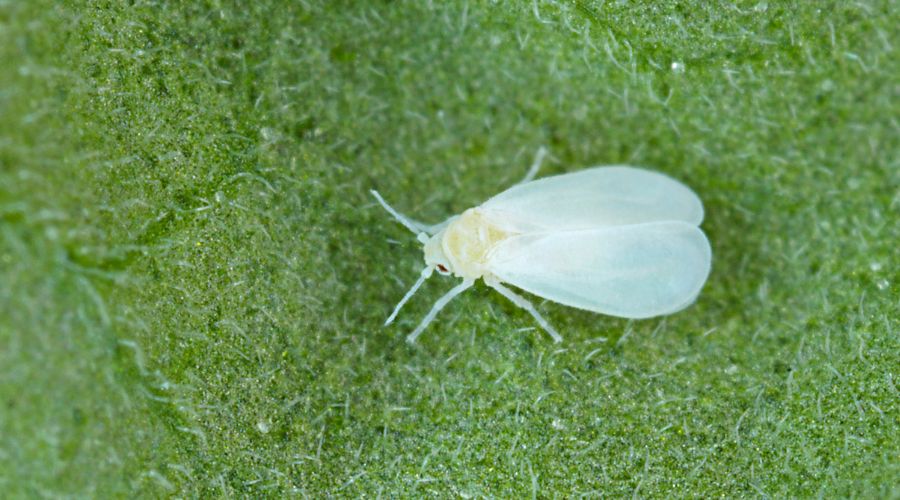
(193, 275)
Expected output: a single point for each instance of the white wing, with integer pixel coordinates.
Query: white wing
(634, 271)
(596, 197)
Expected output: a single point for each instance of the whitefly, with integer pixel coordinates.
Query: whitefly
(616, 240)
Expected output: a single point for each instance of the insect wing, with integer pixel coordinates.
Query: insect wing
(595, 197)
(633, 271)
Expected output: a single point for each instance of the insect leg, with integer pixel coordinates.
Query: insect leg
(535, 165)
(524, 304)
(426, 273)
(441, 302)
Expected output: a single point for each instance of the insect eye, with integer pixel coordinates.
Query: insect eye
(442, 269)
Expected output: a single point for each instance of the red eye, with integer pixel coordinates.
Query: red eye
(442, 269)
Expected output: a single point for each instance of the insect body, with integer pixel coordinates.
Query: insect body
(616, 240)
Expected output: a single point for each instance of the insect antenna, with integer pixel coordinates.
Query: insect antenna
(408, 223)
(426, 273)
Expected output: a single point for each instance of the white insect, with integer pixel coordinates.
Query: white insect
(616, 240)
